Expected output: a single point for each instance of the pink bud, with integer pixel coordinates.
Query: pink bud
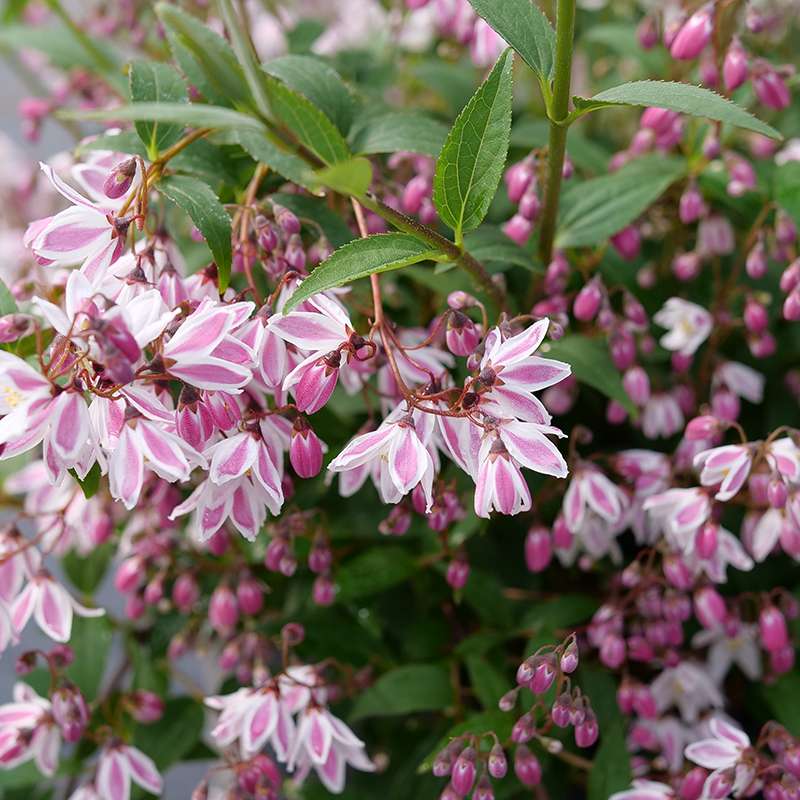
(587, 302)
(622, 349)
(771, 88)
(772, 628)
(691, 206)
(616, 413)
(569, 659)
(686, 266)
(755, 316)
(791, 760)
(790, 278)
(462, 776)
(185, 592)
(637, 384)
(530, 204)
(560, 713)
(323, 592)
(145, 707)
(719, 784)
(706, 539)
(701, 428)
(249, 595)
(709, 608)
(692, 785)
(612, 651)
(458, 573)
(518, 178)
(694, 35)
(586, 732)
(527, 767)
(498, 765)
(223, 610)
(677, 573)
(286, 220)
(627, 242)
(130, 574)
(417, 189)
(218, 543)
(782, 661)
(777, 493)
(562, 536)
(785, 229)
(119, 179)
(70, 712)
(647, 33)
(538, 549)
(544, 673)
(725, 405)
(518, 229)
(756, 263)
(305, 449)
(791, 306)
(734, 68)
(644, 703)
(463, 335)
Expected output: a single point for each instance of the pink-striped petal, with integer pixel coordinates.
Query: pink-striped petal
(126, 469)
(142, 769)
(532, 449)
(53, 611)
(113, 778)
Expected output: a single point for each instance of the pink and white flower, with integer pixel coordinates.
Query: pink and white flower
(121, 764)
(645, 790)
(688, 687)
(725, 750)
(28, 731)
(689, 325)
(726, 468)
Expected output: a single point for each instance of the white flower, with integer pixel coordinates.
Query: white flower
(688, 325)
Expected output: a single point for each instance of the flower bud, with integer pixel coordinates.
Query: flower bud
(145, 707)
(305, 449)
(119, 179)
(463, 335)
(791, 306)
(694, 35)
(734, 68)
(587, 302)
(130, 574)
(706, 539)
(586, 732)
(498, 764)
(691, 206)
(612, 651)
(527, 767)
(185, 592)
(782, 661)
(538, 549)
(457, 573)
(756, 262)
(772, 629)
(709, 608)
(544, 674)
(530, 205)
(70, 712)
(14, 327)
(771, 88)
(691, 787)
(627, 242)
(518, 229)
(462, 776)
(569, 659)
(285, 219)
(223, 610)
(560, 713)
(249, 595)
(637, 384)
(777, 493)
(323, 592)
(518, 178)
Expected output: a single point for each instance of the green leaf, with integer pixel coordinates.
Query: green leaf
(488, 682)
(194, 115)
(91, 641)
(682, 97)
(90, 483)
(87, 571)
(612, 770)
(336, 230)
(174, 735)
(406, 690)
(374, 571)
(205, 57)
(307, 122)
(523, 25)
(361, 257)
(301, 38)
(352, 177)
(392, 131)
(473, 156)
(781, 697)
(787, 189)
(598, 208)
(489, 244)
(268, 150)
(122, 142)
(591, 364)
(320, 83)
(151, 81)
(198, 200)
(8, 305)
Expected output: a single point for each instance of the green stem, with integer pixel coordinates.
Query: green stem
(558, 112)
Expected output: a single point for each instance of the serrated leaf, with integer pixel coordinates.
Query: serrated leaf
(488, 682)
(8, 305)
(122, 142)
(360, 258)
(151, 81)
(198, 200)
(490, 245)
(591, 364)
(473, 156)
(682, 97)
(333, 226)
(91, 641)
(525, 27)
(598, 208)
(193, 115)
(205, 57)
(277, 157)
(352, 177)
(393, 131)
(406, 690)
(373, 571)
(307, 122)
(319, 82)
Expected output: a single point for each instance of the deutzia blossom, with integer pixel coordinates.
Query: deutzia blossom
(724, 467)
(28, 731)
(122, 764)
(732, 643)
(645, 790)
(726, 750)
(689, 325)
(688, 687)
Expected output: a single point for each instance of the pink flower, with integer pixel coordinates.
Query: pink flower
(689, 325)
(645, 790)
(28, 731)
(688, 687)
(204, 352)
(397, 454)
(679, 512)
(662, 416)
(325, 743)
(725, 467)
(723, 751)
(51, 606)
(86, 233)
(120, 764)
